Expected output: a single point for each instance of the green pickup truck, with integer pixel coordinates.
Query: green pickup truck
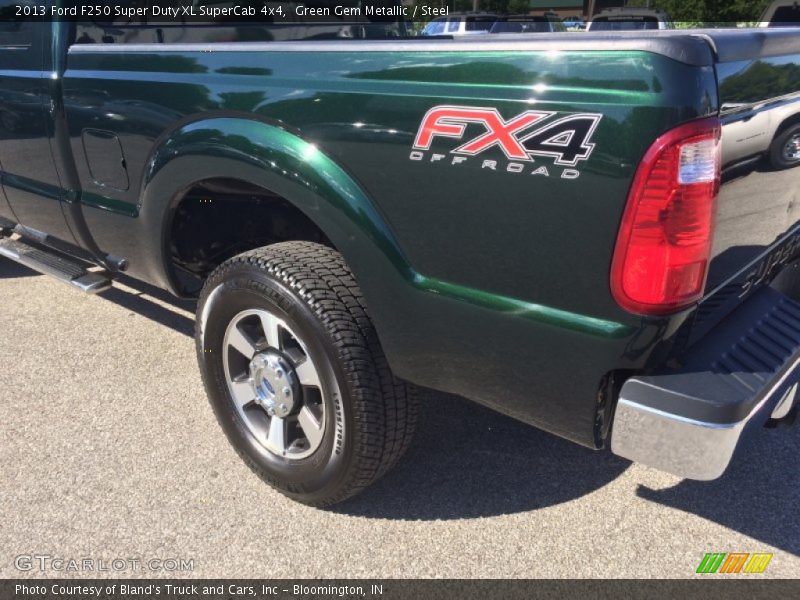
(544, 224)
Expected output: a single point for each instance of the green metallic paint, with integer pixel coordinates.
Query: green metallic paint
(481, 283)
(526, 310)
(284, 163)
(288, 156)
(31, 186)
(110, 204)
(484, 284)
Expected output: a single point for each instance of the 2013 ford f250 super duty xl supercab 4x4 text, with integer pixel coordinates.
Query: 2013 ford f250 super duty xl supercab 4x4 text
(543, 224)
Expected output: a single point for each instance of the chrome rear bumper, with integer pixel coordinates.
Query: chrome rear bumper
(690, 421)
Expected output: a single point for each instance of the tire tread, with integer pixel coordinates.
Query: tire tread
(385, 409)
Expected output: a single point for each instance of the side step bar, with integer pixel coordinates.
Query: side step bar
(51, 263)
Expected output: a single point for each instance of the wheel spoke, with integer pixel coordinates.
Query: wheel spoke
(307, 373)
(311, 427)
(277, 362)
(276, 439)
(272, 329)
(242, 393)
(243, 344)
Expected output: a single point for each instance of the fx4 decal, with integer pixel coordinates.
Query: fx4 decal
(531, 133)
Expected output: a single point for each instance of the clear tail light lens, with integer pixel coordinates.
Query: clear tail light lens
(664, 243)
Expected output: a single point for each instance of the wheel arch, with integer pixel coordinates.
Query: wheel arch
(271, 157)
(788, 122)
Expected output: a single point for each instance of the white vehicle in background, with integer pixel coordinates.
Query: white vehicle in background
(468, 23)
(629, 19)
(771, 131)
(549, 23)
(781, 13)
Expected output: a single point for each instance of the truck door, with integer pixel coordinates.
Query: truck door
(29, 176)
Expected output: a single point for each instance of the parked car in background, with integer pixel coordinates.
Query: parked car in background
(469, 23)
(629, 19)
(771, 131)
(781, 13)
(574, 23)
(527, 24)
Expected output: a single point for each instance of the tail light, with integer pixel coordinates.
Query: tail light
(664, 242)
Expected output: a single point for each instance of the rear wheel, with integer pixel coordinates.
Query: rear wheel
(785, 149)
(296, 376)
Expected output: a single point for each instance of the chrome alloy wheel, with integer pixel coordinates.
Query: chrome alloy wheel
(791, 149)
(274, 384)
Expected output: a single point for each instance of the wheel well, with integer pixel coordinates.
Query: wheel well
(787, 123)
(219, 218)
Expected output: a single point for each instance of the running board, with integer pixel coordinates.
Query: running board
(51, 263)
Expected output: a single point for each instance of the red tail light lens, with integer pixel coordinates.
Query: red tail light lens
(664, 243)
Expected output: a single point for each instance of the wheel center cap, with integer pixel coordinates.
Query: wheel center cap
(274, 383)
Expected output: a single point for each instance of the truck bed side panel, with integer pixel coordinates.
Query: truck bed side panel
(509, 264)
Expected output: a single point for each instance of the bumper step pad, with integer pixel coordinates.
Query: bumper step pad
(688, 421)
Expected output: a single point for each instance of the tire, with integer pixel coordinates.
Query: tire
(779, 153)
(363, 418)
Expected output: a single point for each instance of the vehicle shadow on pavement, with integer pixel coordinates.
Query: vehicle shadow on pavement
(467, 461)
(150, 301)
(758, 496)
(11, 270)
(143, 299)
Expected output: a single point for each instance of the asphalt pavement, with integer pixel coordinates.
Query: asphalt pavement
(109, 450)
